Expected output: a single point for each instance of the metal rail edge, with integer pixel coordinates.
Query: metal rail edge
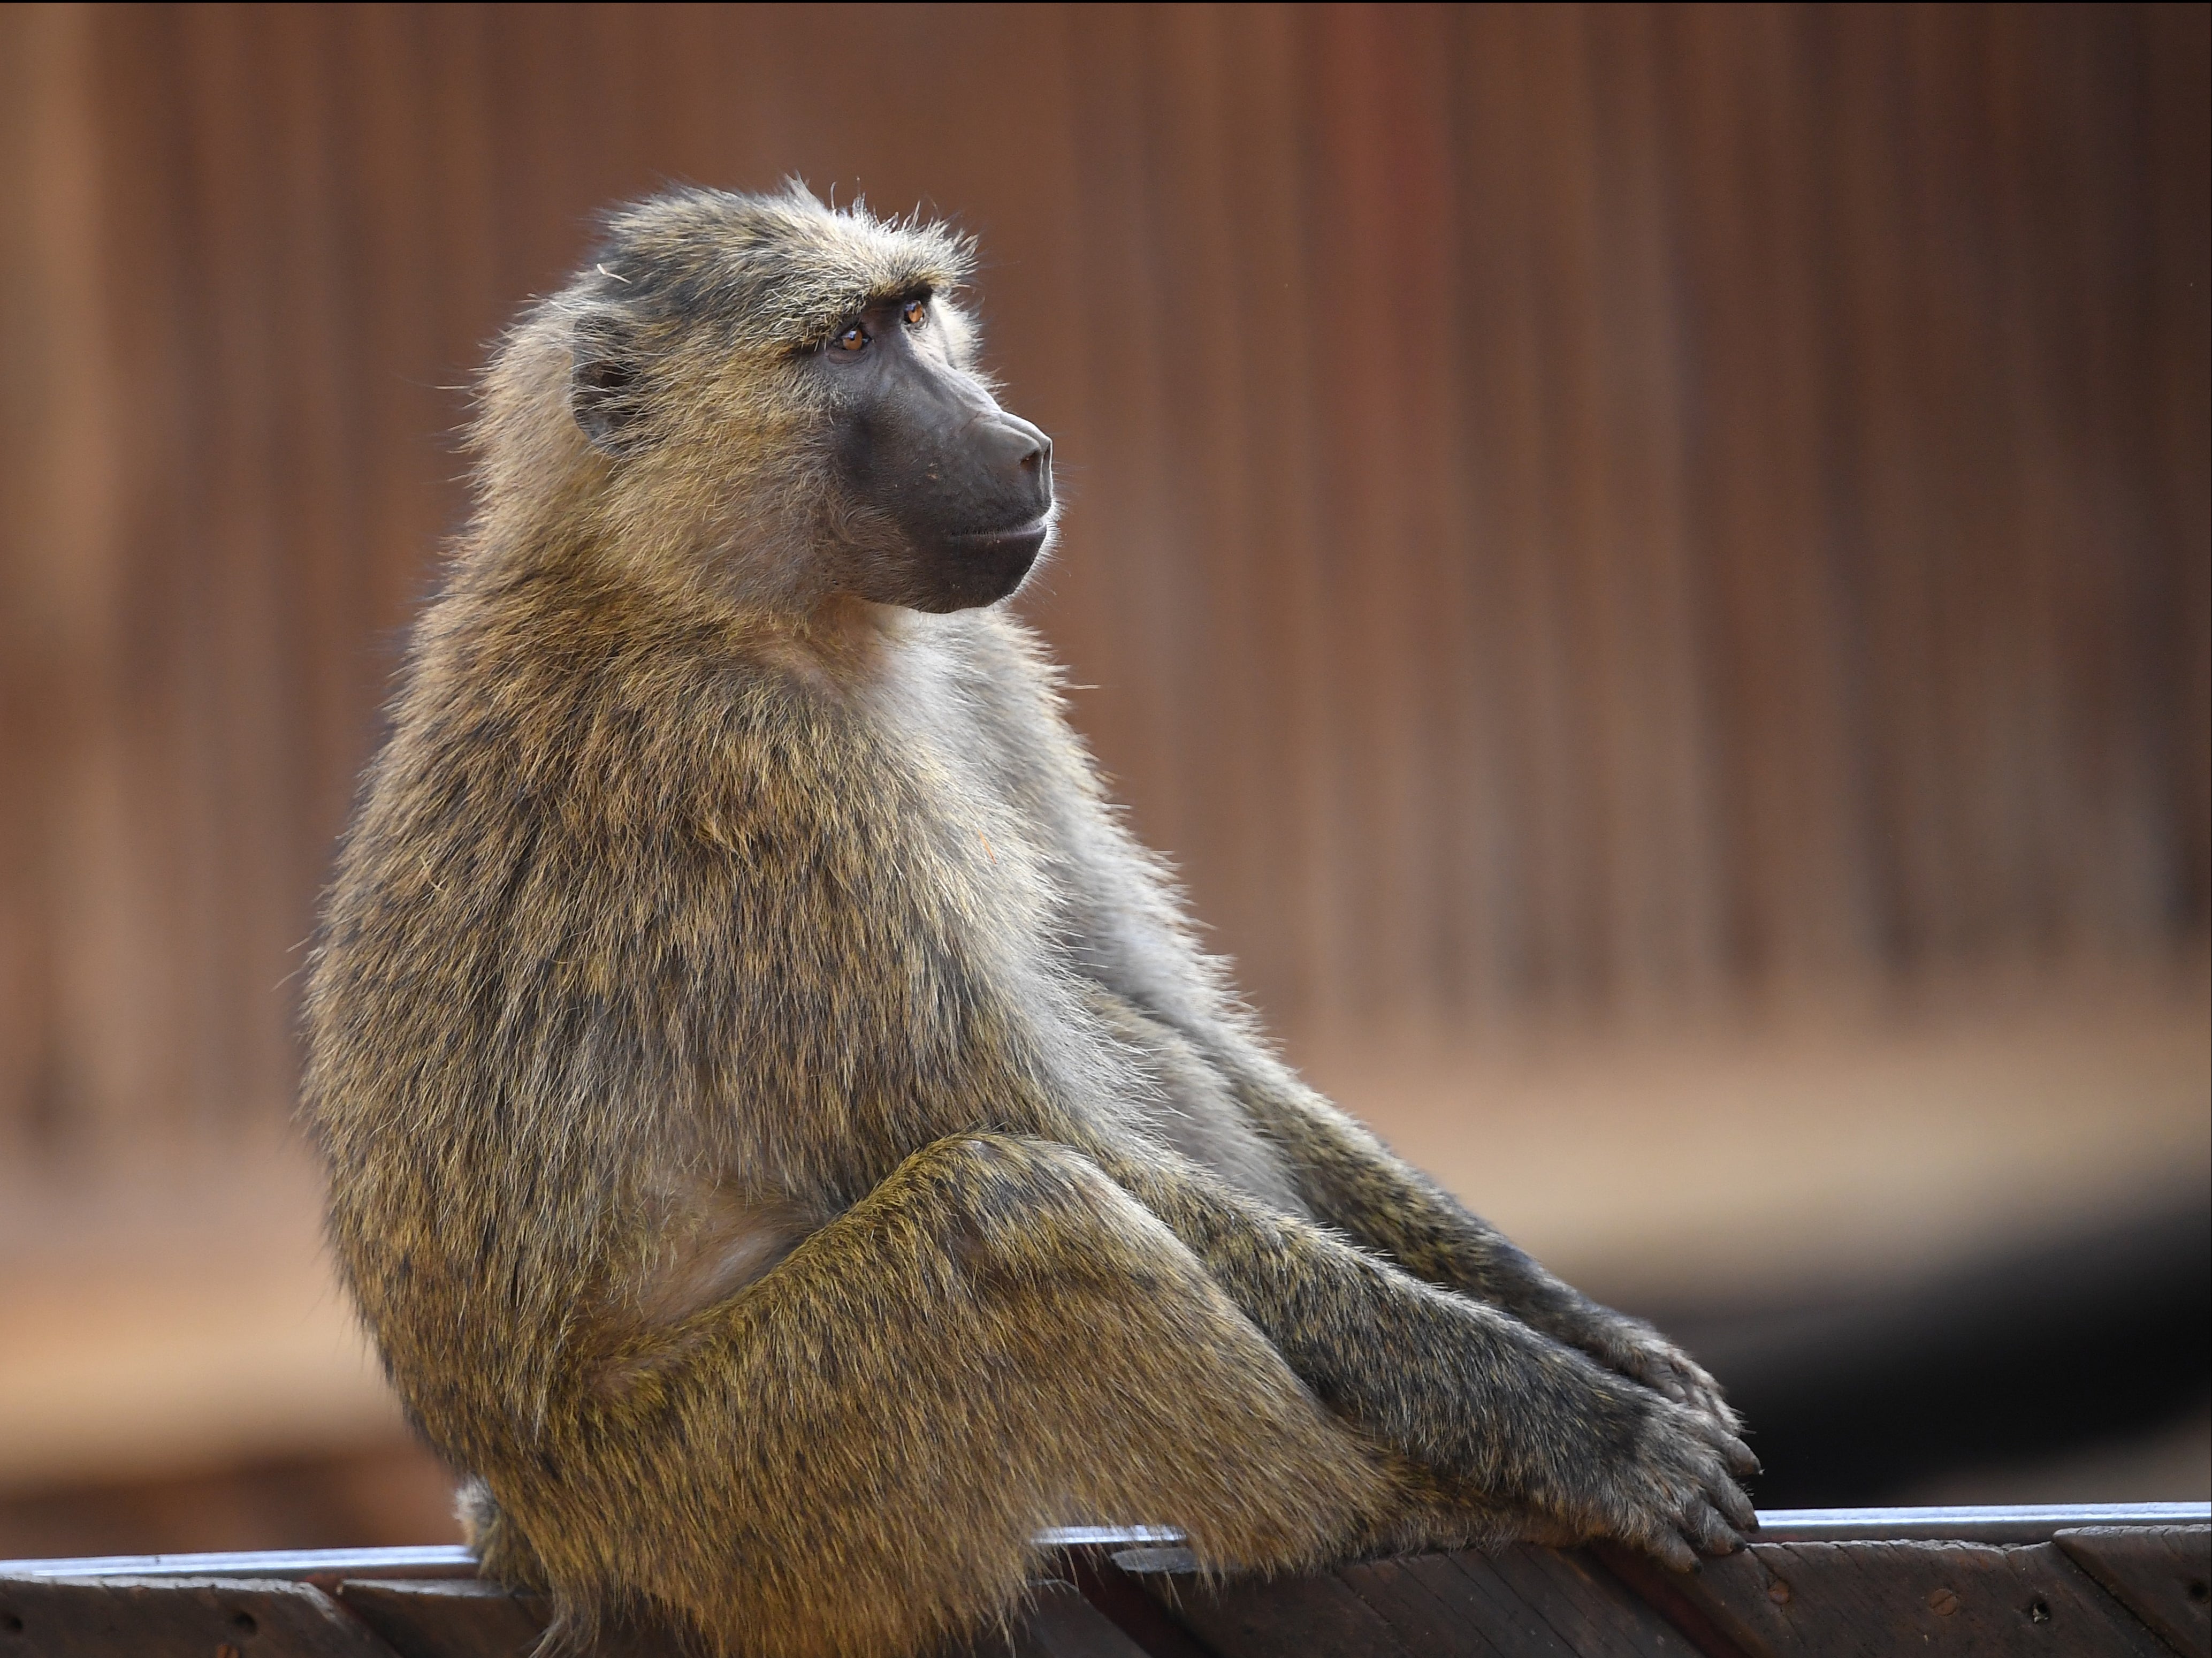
(2031, 1523)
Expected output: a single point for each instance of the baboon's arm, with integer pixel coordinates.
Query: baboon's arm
(1460, 1385)
(1134, 942)
(1352, 1181)
(1348, 1179)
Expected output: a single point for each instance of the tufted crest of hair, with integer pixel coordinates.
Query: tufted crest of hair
(656, 409)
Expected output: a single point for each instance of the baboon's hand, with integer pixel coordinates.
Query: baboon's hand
(1604, 1456)
(1672, 1494)
(1524, 1419)
(1633, 1349)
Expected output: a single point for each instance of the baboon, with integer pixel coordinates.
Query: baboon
(781, 1131)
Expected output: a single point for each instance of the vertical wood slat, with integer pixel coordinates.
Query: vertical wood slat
(1569, 510)
(59, 644)
(1291, 840)
(2177, 110)
(1530, 805)
(1203, 637)
(1378, 162)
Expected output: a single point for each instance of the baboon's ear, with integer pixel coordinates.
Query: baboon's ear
(606, 387)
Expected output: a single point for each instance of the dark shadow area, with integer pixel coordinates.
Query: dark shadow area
(2017, 1359)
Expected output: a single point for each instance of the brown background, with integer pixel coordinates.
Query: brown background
(1597, 520)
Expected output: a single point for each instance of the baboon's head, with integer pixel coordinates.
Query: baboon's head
(778, 400)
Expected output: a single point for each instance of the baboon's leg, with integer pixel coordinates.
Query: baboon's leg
(850, 1456)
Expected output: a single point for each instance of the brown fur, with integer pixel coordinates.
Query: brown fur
(782, 1133)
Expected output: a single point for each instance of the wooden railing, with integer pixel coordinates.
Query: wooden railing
(2128, 1580)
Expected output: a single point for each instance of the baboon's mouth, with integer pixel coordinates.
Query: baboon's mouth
(1031, 533)
(984, 566)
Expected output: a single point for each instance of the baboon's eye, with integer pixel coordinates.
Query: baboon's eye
(914, 314)
(853, 338)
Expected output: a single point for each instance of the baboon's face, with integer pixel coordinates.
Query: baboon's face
(920, 445)
(797, 381)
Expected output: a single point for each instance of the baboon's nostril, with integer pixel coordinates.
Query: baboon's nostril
(1038, 461)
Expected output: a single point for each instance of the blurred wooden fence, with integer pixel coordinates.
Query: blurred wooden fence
(1583, 508)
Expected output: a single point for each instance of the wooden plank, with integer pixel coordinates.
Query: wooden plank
(1119, 1596)
(2163, 1574)
(472, 1618)
(1468, 1583)
(1536, 1602)
(1317, 1616)
(1660, 1588)
(1429, 1616)
(176, 1618)
(1790, 1596)
(468, 1618)
(1590, 1610)
(450, 1618)
(1871, 1600)
(1059, 1623)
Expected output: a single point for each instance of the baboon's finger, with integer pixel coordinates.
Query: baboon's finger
(1672, 1549)
(1701, 1524)
(1741, 1460)
(1729, 1498)
(1713, 1534)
